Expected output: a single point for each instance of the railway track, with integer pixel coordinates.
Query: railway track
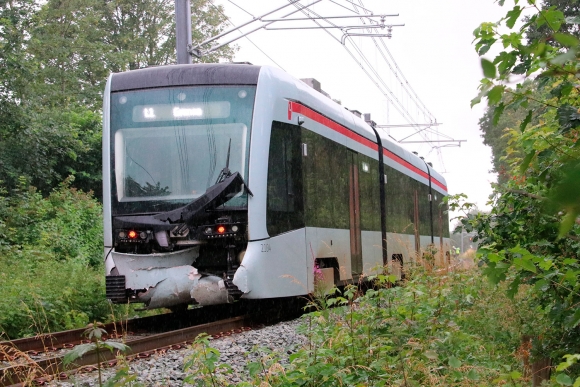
(35, 361)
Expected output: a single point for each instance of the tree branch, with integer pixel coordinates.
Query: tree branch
(530, 98)
(530, 195)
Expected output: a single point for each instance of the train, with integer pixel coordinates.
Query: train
(225, 182)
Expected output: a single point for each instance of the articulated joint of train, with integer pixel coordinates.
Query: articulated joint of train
(185, 256)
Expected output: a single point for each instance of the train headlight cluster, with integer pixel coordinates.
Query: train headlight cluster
(132, 236)
(221, 231)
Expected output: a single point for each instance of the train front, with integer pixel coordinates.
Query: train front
(175, 161)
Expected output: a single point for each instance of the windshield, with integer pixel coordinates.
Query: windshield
(169, 145)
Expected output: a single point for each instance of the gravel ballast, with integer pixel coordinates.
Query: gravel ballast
(236, 350)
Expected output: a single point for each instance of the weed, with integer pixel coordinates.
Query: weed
(95, 334)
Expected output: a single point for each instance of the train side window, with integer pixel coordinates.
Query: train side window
(284, 196)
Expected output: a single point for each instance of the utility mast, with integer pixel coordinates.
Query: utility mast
(183, 31)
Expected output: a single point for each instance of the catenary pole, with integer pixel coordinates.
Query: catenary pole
(183, 31)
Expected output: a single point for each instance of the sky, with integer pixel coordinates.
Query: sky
(433, 51)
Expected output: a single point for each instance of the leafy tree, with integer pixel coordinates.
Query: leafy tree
(498, 125)
(570, 9)
(532, 235)
(56, 57)
(144, 32)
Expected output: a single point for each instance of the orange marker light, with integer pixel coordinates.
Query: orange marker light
(221, 229)
(132, 234)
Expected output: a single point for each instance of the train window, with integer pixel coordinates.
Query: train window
(400, 196)
(284, 198)
(168, 145)
(369, 194)
(326, 182)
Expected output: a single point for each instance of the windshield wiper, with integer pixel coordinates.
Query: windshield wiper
(225, 172)
(215, 196)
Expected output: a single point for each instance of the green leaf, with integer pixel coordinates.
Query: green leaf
(454, 362)
(513, 15)
(552, 17)
(568, 117)
(568, 56)
(494, 95)
(116, 345)
(254, 368)
(489, 70)
(484, 49)
(542, 285)
(513, 288)
(526, 264)
(570, 360)
(573, 20)
(526, 162)
(566, 40)
(430, 354)
(567, 223)
(526, 120)
(472, 375)
(78, 352)
(497, 112)
(573, 320)
(564, 380)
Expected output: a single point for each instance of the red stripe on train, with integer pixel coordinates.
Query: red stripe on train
(295, 107)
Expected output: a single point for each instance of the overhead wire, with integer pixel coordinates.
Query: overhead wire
(376, 79)
(250, 40)
(397, 104)
(366, 65)
(409, 91)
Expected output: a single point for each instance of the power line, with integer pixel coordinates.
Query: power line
(250, 40)
(376, 79)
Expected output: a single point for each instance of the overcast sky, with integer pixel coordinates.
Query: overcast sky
(434, 52)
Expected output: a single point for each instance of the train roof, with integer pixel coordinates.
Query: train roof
(246, 74)
(181, 75)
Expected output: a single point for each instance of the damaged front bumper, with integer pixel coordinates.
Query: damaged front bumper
(165, 279)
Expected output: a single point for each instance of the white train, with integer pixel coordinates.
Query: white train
(224, 181)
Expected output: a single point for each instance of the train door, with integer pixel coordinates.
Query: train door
(354, 205)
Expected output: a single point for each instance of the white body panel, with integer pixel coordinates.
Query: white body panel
(372, 251)
(108, 232)
(328, 243)
(275, 267)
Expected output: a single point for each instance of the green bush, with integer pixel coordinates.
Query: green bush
(50, 261)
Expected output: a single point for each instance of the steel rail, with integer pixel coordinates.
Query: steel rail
(45, 369)
(50, 342)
